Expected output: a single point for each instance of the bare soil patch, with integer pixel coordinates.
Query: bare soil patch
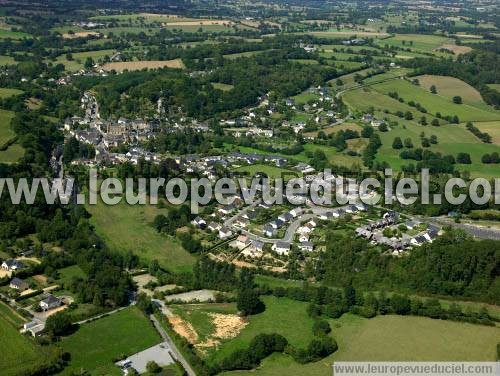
(227, 326)
(80, 34)
(40, 278)
(184, 329)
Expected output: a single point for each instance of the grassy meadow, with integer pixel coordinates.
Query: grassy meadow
(122, 333)
(7, 92)
(6, 133)
(391, 338)
(19, 353)
(127, 228)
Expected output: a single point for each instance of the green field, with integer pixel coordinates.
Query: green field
(495, 86)
(277, 318)
(127, 228)
(79, 59)
(67, 274)
(305, 97)
(392, 338)
(19, 354)
(94, 346)
(6, 133)
(7, 60)
(7, 92)
(13, 34)
(12, 154)
(420, 42)
(223, 87)
(452, 138)
(271, 171)
(437, 103)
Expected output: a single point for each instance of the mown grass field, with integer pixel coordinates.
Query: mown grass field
(448, 87)
(127, 228)
(19, 354)
(223, 87)
(435, 103)
(94, 346)
(12, 154)
(7, 92)
(420, 42)
(67, 274)
(4, 33)
(282, 315)
(6, 133)
(271, 171)
(7, 60)
(391, 338)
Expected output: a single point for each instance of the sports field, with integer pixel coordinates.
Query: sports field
(120, 334)
(127, 228)
(391, 338)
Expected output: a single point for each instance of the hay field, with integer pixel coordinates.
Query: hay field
(139, 65)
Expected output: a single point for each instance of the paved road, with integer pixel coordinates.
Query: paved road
(293, 226)
(231, 220)
(171, 343)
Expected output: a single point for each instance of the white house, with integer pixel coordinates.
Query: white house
(281, 248)
(50, 302)
(200, 222)
(225, 233)
(306, 246)
(12, 265)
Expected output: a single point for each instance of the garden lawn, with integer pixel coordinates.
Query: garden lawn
(96, 345)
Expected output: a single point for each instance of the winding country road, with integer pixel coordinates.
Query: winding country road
(171, 344)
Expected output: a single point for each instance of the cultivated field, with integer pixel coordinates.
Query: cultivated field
(139, 65)
(94, 346)
(127, 228)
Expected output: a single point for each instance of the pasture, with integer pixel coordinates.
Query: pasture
(490, 127)
(392, 338)
(221, 86)
(419, 42)
(19, 354)
(281, 316)
(6, 133)
(7, 92)
(122, 333)
(435, 103)
(448, 87)
(12, 154)
(79, 59)
(7, 60)
(127, 228)
(146, 64)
